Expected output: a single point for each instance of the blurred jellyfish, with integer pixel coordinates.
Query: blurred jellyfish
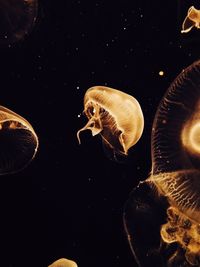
(115, 115)
(18, 142)
(63, 263)
(192, 20)
(174, 183)
(17, 18)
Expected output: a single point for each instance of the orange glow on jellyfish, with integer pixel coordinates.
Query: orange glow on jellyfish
(18, 142)
(63, 263)
(162, 215)
(176, 162)
(192, 20)
(115, 115)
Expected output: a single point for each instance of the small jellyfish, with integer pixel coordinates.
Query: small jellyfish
(18, 142)
(174, 179)
(63, 263)
(192, 20)
(115, 115)
(17, 18)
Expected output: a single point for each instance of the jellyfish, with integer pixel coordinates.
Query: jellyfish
(63, 263)
(192, 20)
(169, 199)
(115, 115)
(17, 19)
(18, 142)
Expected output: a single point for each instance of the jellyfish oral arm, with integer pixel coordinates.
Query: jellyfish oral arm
(94, 125)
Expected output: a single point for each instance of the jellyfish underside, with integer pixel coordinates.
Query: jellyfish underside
(18, 142)
(175, 174)
(103, 123)
(192, 20)
(116, 116)
(17, 18)
(63, 263)
(181, 229)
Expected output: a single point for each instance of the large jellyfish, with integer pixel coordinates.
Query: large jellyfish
(17, 18)
(18, 142)
(162, 216)
(192, 20)
(115, 115)
(63, 263)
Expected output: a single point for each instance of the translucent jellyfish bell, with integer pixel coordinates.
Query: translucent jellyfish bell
(192, 20)
(173, 187)
(115, 115)
(18, 142)
(63, 263)
(176, 161)
(17, 18)
(176, 143)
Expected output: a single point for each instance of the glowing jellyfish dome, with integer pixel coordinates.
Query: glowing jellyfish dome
(63, 263)
(116, 116)
(17, 19)
(169, 200)
(18, 142)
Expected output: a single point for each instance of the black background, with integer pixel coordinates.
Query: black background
(69, 201)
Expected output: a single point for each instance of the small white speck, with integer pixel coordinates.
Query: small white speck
(5, 36)
(79, 115)
(77, 87)
(161, 73)
(141, 16)
(124, 28)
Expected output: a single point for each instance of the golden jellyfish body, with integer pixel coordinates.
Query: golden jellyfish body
(115, 115)
(176, 161)
(63, 263)
(18, 142)
(17, 19)
(192, 20)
